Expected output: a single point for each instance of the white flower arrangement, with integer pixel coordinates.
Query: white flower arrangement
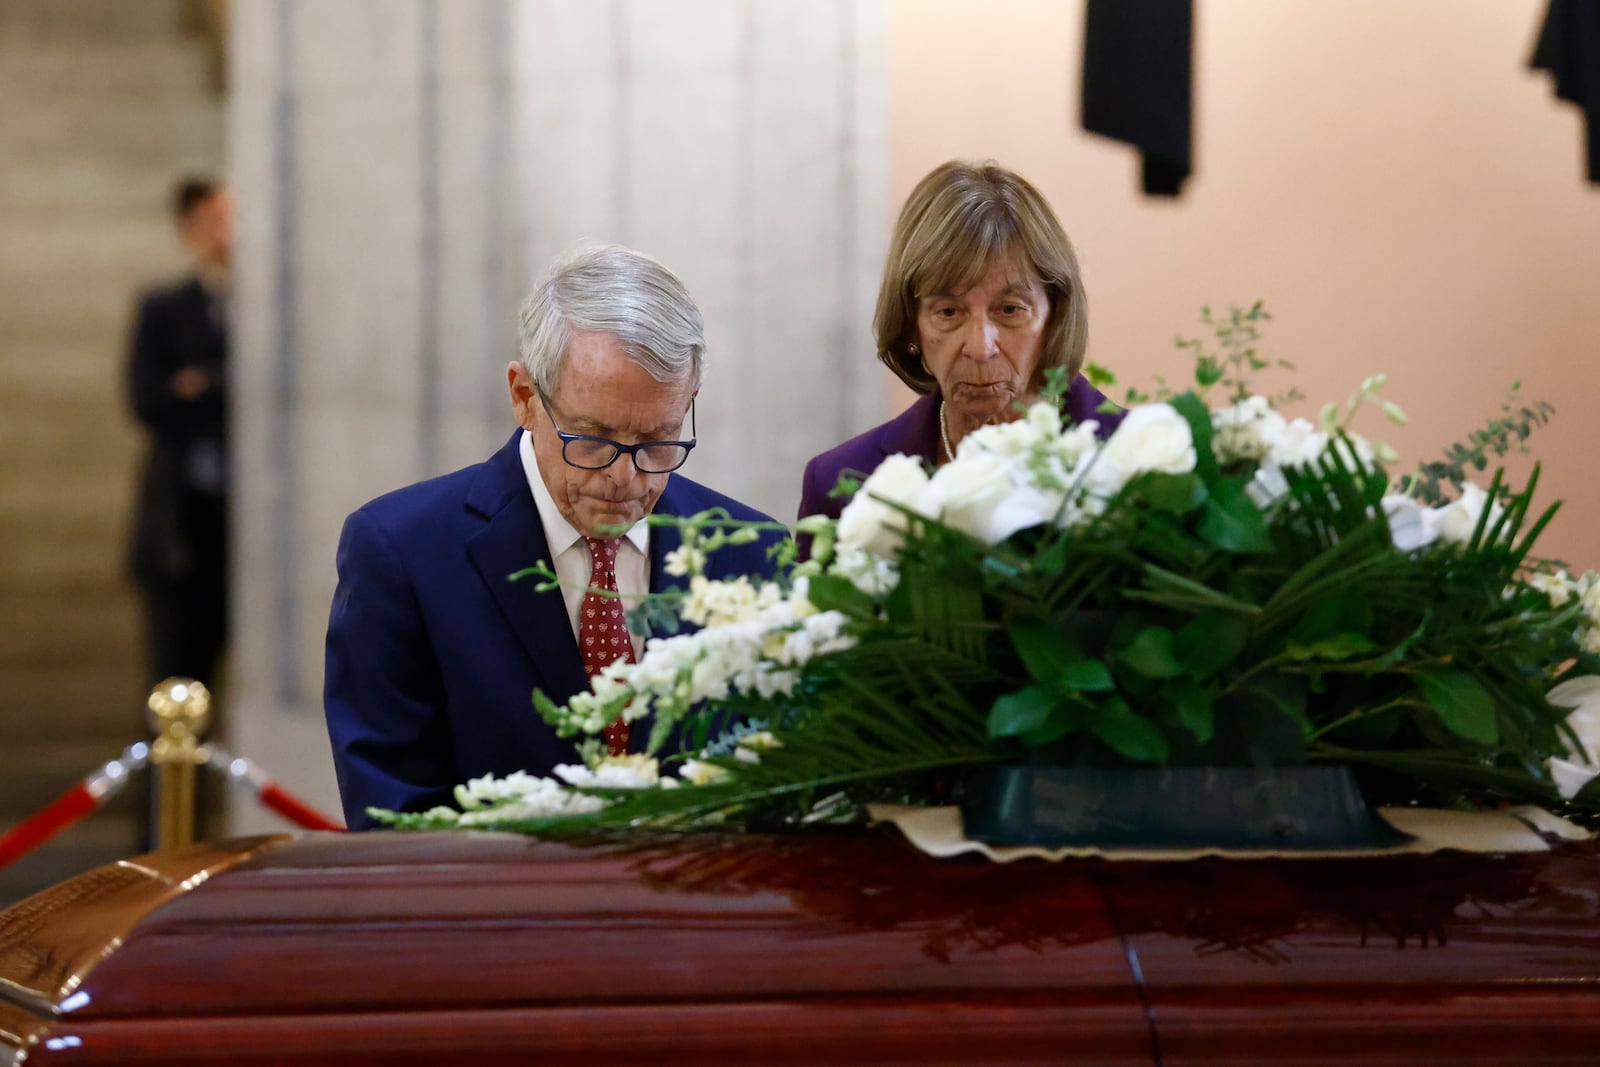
(1008, 512)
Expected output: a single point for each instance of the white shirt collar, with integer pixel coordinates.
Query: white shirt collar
(558, 532)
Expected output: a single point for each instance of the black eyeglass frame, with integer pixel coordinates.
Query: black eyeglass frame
(618, 448)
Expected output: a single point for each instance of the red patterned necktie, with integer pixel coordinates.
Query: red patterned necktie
(603, 631)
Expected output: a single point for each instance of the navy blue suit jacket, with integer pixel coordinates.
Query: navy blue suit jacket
(915, 432)
(433, 656)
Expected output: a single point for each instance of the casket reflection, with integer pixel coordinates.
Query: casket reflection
(828, 949)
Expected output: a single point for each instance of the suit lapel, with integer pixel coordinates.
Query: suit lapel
(664, 539)
(511, 539)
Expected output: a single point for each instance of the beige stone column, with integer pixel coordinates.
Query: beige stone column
(404, 167)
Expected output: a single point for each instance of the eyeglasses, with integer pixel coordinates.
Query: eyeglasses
(597, 453)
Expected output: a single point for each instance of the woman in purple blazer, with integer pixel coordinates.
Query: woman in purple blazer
(981, 295)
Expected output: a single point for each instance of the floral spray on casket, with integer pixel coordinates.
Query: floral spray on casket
(1214, 585)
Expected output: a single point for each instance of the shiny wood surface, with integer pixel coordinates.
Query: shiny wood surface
(846, 949)
(51, 941)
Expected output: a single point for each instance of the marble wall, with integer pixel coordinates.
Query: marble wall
(404, 169)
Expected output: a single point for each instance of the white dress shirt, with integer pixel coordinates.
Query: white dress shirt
(571, 554)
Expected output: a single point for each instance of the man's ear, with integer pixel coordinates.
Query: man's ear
(524, 398)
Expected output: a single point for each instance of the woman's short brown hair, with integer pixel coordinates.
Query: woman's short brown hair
(958, 222)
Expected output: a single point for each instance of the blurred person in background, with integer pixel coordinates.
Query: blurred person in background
(178, 389)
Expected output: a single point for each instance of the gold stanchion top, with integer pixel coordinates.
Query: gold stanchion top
(178, 711)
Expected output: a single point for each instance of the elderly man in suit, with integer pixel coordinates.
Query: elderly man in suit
(432, 653)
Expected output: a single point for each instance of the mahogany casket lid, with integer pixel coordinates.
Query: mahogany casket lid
(848, 948)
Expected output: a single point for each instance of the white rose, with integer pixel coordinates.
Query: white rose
(1410, 524)
(1582, 695)
(868, 522)
(1456, 520)
(1021, 509)
(964, 491)
(1153, 437)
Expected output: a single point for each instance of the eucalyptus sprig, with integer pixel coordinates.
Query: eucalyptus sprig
(1502, 434)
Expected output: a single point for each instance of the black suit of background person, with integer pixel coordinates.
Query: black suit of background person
(177, 378)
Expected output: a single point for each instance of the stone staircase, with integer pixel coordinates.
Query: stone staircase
(102, 104)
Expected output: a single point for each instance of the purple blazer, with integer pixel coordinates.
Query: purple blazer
(915, 432)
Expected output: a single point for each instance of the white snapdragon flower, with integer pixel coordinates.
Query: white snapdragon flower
(1557, 587)
(1077, 444)
(1353, 445)
(519, 796)
(1587, 590)
(1457, 520)
(716, 603)
(818, 634)
(684, 560)
(1153, 437)
(612, 772)
(1018, 437)
(1246, 430)
(873, 574)
(748, 749)
(698, 772)
(1296, 443)
(479, 792)
(1293, 444)
(1411, 525)
(868, 522)
(1582, 695)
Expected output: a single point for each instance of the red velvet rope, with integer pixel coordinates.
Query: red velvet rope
(45, 823)
(278, 799)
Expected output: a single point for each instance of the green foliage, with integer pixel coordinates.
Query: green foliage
(1185, 623)
(1502, 434)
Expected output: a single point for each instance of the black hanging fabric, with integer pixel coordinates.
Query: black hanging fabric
(1138, 83)
(1569, 48)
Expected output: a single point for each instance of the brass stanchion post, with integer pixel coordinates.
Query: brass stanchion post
(179, 710)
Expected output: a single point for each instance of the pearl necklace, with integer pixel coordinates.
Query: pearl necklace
(944, 434)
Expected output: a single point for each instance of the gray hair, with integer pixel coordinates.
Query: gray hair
(615, 290)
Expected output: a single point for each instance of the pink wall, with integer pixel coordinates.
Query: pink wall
(1405, 195)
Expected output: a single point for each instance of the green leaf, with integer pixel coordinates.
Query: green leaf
(1045, 650)
(1194, 704)
(1053, 558)
(1209, 642)
(1061, 722)
(1338, 647)
(1176, 493)
(1194, 412)
(1087, 676)
(829, 592)
(1464, 706)
(1345, 613)
(1131, 735)
(1022, 711)
(1231, 520)
(1150, 654)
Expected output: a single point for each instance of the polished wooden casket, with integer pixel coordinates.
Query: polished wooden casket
(835, 948)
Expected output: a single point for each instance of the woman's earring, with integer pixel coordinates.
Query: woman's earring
(913, 351)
